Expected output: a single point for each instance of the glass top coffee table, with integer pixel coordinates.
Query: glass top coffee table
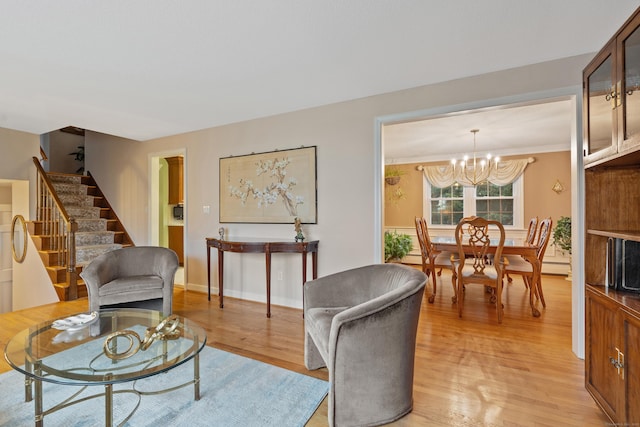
(104, 348)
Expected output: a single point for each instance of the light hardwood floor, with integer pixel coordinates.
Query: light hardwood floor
(468, 372)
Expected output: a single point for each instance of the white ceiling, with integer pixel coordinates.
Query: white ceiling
(151, 68)
(508, 130)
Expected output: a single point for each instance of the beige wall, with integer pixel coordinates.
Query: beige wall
(16, 150)
(539, 200)
(5, 193)
(401, 211)
(60, 145)
(540, 176)
(31, 284)
(348, 163)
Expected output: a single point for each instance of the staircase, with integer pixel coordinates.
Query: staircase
(98, 231)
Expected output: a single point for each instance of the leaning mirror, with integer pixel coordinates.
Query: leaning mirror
(19, 238)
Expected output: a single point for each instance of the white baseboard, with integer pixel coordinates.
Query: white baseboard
(198, 288)
(262, 298)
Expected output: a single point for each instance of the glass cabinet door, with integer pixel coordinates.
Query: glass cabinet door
(600, 102)
(629, 122)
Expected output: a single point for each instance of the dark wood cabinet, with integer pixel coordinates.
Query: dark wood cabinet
(631, 351)
(611, 84)
(176, 241)
(176, 180)
(601, 377)
(612, 357)
(611, 101)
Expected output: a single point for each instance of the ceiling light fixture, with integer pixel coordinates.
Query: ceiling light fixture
(474, 170)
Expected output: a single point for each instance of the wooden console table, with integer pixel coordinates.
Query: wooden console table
(260, 246)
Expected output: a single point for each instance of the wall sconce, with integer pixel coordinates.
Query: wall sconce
(557, 187)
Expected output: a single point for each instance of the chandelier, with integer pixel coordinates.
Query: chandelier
(472, 170)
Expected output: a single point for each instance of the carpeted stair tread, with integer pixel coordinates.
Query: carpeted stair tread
(85, 254)
(87, 238)
(83, 212)
(74, 199)
(85, 224)
(65, 188)
(72, 179)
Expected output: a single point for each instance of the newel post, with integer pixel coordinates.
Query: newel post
(72, 275)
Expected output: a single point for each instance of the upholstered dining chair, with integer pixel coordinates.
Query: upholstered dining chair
(517, 265)
(531, 237)
(474, 237)
(432, 259)
(137, 276)
(361, 324)
(532, 229)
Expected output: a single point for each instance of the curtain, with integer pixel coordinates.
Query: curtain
(446, 175)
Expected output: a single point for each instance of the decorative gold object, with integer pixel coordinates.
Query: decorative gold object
(557, 187)
(18, 238)
(168, 329)
(111, 351)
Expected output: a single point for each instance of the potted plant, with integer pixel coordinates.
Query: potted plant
(396, 246)
(79, 157)
(562, 238)
(562, 234)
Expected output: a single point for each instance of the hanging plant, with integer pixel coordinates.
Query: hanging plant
(392, 180)
(394, 196)
(392, 175)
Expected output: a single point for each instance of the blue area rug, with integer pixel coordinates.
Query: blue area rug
(234, 391)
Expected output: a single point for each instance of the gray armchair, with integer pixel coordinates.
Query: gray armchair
(361, 324)
(138, 276)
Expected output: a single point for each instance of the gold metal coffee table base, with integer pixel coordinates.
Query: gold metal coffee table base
(35, 393)
(80, 359)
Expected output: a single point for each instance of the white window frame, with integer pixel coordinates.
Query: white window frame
(469, 199)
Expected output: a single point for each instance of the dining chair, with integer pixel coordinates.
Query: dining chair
(517, 265)
(531, 231)
(476, 238)
(433, 259)
(531, 237)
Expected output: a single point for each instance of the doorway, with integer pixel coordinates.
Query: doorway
(168, 214)
(14, 200)
(574, 95)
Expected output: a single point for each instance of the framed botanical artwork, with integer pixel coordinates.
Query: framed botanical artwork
(274, 187)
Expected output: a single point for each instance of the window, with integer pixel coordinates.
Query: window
(447, 206)
(495, 202)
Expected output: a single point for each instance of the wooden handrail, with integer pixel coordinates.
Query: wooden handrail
(49, 185)
(58, 226)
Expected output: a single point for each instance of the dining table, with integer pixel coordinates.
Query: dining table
(511, 246)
